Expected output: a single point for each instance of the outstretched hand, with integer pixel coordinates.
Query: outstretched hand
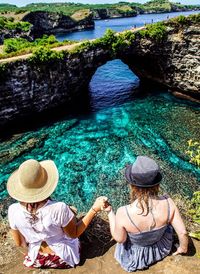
(99, 203)
(107, 207)
(179, 250)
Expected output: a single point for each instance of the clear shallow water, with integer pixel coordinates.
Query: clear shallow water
(119, 24)
(91, 150)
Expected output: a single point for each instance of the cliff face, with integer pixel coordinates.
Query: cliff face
(174, 62)
(52, 22)
(17, 33)
(26, 89)
(112, 13)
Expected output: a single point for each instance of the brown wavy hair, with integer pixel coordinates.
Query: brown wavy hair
(143, 195)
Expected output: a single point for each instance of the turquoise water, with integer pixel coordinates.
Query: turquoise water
(91, 150)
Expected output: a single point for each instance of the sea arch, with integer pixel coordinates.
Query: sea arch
(32, 87)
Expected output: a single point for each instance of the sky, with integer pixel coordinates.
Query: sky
(25, 2)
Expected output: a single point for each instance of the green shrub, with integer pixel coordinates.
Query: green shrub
(104, 42)
(10, 24)
(194, 153)
(109, 38)
(112, 41)
(2, 22)
(155, 31)
(20, 11)
(23, 26)
(15, 44)
(195, 213)
(46, 40)
(184, 20)
(124, 40)
(46, 55)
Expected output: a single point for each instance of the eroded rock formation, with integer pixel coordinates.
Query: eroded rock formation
(26, 89)
(174, 62)
(52, 22)
(15, 33)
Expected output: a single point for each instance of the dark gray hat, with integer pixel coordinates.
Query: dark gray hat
(144, 172)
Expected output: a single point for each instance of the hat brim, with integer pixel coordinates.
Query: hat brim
(133, 182)
(33, 195)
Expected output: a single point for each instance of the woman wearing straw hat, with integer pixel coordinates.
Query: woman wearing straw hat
(47, 228)
(143, 229)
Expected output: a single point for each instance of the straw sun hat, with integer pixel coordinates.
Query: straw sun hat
(33, 181)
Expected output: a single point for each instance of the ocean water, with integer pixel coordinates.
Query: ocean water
(119, 24)
(91, 149)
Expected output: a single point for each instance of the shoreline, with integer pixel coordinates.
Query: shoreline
(145, 13)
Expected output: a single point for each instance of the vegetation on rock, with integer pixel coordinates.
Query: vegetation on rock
(113, 10)
(19, 46)
(155, 31)
(194, 153)
(112, 41)
(46, 55)
(8, 23)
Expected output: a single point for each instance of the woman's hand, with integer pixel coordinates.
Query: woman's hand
(179, 250)
(107, 207)
(99, 204)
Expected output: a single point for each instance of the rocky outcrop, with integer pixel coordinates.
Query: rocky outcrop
(16, 33)
(52, 22)
(112, 13)
(173, 62)
(27, 88)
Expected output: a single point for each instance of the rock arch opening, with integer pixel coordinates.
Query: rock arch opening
(112, 84)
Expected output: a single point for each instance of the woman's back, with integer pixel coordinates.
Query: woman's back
(158, 215)
(149, 235)
(143, 229)
(46, 225)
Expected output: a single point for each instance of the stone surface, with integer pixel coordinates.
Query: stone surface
(112, 13)
(26, 89)
(97, 254)
(17, 33)
(174, 62)
(53, 22)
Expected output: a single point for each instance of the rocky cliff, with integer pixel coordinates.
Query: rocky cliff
(113, 13)
(173, 62)
(27, 88)
(52, 22)
(16, 33)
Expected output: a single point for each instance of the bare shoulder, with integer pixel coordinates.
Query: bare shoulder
(120, 211)
(169, 199)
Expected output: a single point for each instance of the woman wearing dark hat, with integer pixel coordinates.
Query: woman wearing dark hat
(48, 229)
(143, 229)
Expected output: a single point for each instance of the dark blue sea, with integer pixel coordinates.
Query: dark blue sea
(119, 24)
(92, 146)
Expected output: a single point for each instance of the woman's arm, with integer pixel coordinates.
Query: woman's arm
(18, 238)
(117, 230)
(74, 229)
(178, 225)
